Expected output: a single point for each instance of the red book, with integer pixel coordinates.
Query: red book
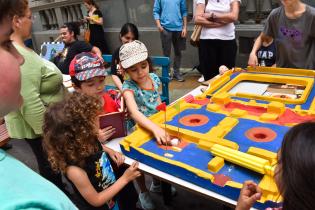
(115, 119)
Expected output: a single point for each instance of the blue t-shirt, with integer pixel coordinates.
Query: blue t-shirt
(22, 188)
(170, 13)
(267, 55)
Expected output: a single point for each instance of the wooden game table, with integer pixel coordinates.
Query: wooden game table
(229, 203)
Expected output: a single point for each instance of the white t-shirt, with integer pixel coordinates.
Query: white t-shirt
(226, 32)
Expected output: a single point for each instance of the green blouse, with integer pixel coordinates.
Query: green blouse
(41, 84)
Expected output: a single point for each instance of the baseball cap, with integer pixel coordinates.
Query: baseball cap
(132, 53)
(87, 65)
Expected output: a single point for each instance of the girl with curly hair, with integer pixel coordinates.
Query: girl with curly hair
(70, 140)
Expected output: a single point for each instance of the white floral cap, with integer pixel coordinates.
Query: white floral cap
(132, 53)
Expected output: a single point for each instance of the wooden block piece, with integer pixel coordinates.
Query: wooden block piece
(228, 122)
(216, 164)
(213, 107)
(268, 116)
(276, 107)
(206, 145)
(238, 113)
(221, 98)
(265, 154)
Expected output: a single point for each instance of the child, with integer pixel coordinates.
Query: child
(128, 33)
(267, 52)
(70, 140)
(141, 91)
(292, 27)
(294, 174)
(88, 76)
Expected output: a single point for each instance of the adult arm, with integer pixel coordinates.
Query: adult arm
(159, 133)
(253, 60)
(157, 14)
(200, 18)
(81, 181)
(183, 10)
(33, 108)
(228, 17)
(184, 31)
(98, 21)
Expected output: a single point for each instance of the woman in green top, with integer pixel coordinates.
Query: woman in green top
(41, 84)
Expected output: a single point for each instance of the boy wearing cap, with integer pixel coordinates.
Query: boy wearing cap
(88, 75)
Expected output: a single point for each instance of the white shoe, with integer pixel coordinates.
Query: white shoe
(146, 201)
(201, 79)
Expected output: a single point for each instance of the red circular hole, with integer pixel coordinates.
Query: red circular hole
(194, 121)
(260, 135)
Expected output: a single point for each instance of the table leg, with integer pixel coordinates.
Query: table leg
(166, 193)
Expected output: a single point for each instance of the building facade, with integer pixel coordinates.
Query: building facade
(49, 15)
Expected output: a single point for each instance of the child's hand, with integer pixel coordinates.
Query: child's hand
(223, 69)
(249, 194)
(117, 157)
(132, 172)
(161, 136)
(105, 134)
(253, 60)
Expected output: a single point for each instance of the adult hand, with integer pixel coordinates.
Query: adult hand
(162, 137)
(252, 60)
(184, 32)
(249, 194)
(160, 28)
(105, 134)
(132, 172)
(117, 157)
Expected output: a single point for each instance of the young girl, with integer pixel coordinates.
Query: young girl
(70, 140)
(292, 27)
(295, 174)
(141, 93)
(128, 33)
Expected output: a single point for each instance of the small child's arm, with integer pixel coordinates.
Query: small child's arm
(81, 181)
(160, 134)
(249, 194)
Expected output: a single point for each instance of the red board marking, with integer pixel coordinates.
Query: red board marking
(221, 179)
(194, 120)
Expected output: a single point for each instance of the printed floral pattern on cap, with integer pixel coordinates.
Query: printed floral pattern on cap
(132, 53)
(87, 65)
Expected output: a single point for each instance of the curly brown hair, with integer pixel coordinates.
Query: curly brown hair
(70, 132)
